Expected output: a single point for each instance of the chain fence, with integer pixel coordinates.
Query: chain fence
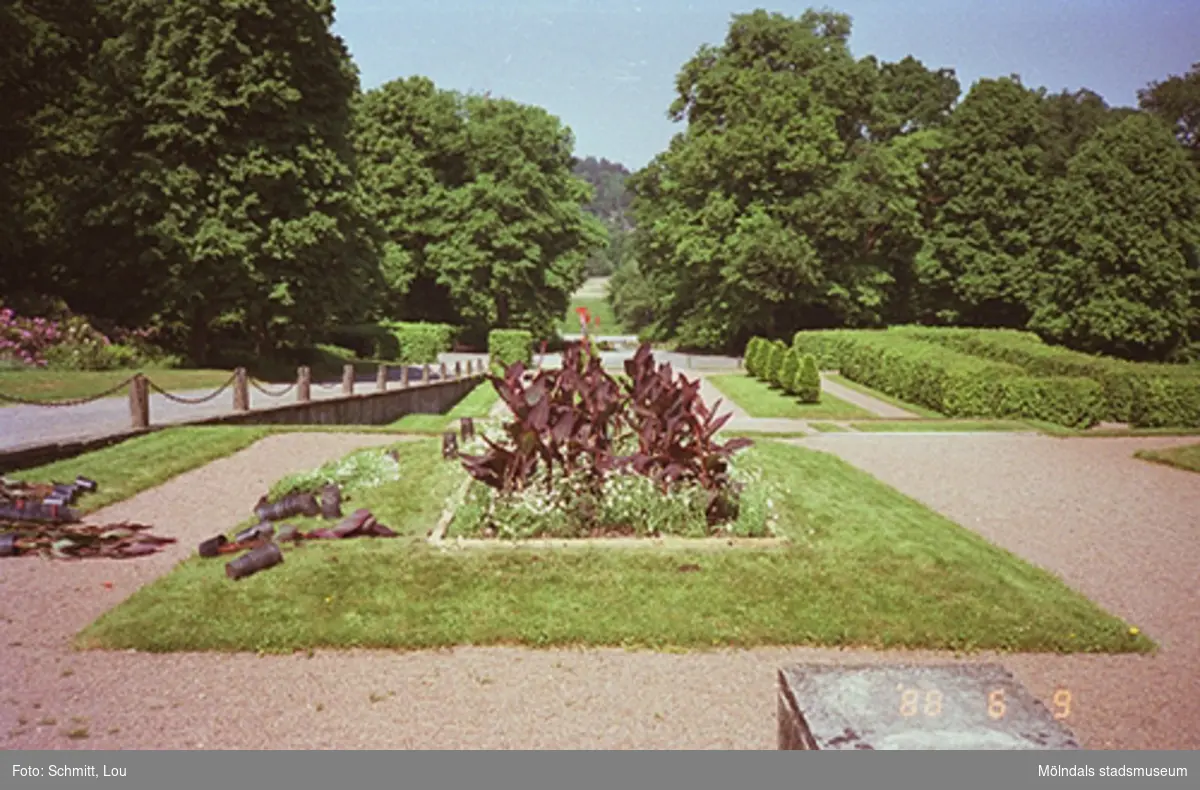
(68, 401)
(191, 401)
(258, 385)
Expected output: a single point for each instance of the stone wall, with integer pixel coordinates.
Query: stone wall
(367, 408)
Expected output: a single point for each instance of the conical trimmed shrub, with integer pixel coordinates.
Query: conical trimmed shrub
(774, 364)
(806, 384)
(751, 356)
(787, 372)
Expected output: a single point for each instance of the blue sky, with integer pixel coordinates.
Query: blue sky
(607, 67)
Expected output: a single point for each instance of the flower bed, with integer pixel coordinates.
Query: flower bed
(591, 455)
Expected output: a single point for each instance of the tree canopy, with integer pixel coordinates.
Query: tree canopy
(809, 188)
(213, 170)
(482, 217)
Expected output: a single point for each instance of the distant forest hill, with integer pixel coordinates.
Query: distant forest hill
(612, 199)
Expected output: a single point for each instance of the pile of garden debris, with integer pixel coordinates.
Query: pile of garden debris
(37, 518)
(261, 541)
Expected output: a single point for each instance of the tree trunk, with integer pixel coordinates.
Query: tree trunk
(198, 339)
(502, 311)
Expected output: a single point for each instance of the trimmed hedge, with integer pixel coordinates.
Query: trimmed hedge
(1073, 401)
(1142, 394)
(421, 343)
(507, 346)
(807, 383)
(956, 384)
(367, 341)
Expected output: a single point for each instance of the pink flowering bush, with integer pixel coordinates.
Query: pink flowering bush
(71, 343)
(26, 340)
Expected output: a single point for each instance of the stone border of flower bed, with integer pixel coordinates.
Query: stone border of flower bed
(665, 542)
(437, 537)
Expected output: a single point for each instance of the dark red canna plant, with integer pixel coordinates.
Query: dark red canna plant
(572, 420)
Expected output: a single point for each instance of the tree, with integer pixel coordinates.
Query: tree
(411, 142)
(484, 220)
(1177, 101)
(49, 47)
(796, 198)
(1121, 240)
(1071, 119)
(236, 171)
(911, 97)
(730, 217)
(631, 297)
(979, 263)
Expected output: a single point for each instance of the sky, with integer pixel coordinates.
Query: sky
(607, 67)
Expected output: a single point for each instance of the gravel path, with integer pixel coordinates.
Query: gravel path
(1120, 529)
(1124, 532)
(23, 426)
(873, 405)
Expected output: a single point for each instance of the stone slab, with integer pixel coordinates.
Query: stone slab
(913, 707)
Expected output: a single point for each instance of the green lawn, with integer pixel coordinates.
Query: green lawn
(1184, 457)
(920, 411)
(868, 567)
(940, 426)
(326, 363)
(477, 404)
(55, 385)
(759, 400)
(828, 427)
(135, 465)
(1063, 431)
(599, 308)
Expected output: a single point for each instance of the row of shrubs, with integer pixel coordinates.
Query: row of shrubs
(409, 343)
(1142, 394)
(786, 368)
(951, 382)
(414, 343)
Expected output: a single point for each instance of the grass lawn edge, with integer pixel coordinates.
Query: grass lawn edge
(808, 593)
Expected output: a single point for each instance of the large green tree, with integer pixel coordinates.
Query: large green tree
(1120, 271)
(1071, 119)
(990, 180)
(1177, 101)
(484, 220)
(794, 198)
(235, 168)
(48, 48)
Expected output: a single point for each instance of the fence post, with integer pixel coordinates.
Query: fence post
(347, 379)
(442, 372)
(458, 370)
(381, 378)
(425, 374)
(241, 390)
(303, 384)
(470, 367)
(139, 402)
(404, 376)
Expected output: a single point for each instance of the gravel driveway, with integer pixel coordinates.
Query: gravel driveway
(1074, 505)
